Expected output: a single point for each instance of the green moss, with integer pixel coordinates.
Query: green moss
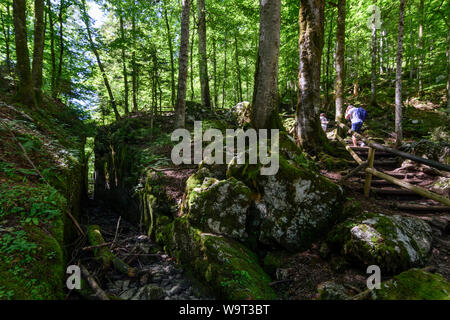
(274, 260)
(414, 284)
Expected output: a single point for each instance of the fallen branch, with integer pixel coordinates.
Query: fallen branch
(105, 255)
(354, 171)
(99, 293)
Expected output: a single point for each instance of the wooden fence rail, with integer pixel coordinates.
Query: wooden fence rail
(367, 166)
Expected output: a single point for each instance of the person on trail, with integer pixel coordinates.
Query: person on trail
(323, 122)
(357, 117)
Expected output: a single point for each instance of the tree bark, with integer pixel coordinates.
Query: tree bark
(61, 45)
(421, 53)
(340, 60)
(38, 50)
(224, 70)
(134, 73)
(180, 110)
(216, 95)
(124, 64)
(327, 65)
(308, 131)
(191, 57)
(172, 64)
(24, 92)
(52, 49)
(238, 68)
(373, 98)
(99, 62)
(203, 58)
(7, 35)
(264, 113)
(398, 76)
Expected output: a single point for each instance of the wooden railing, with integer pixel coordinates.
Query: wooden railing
(367, 166)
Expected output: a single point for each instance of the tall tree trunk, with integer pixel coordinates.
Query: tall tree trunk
(238, 69)
(7, 35)
(398, 76)
(421, 52)
(134, 73)
(448, 61)
(24, 92)
(99, 62)
(373, 89)
(203, 58)
(191, 56)
(216, 95)
(224, 70)
(382, 48)
(264, 113)
(52, 49)
(62, 7)
(180, 110)
(172, 64)
(327, 66)
(411, 39)
(309, 134)
(124, 64)
(356, 81)
(340, 60)
(38, 50)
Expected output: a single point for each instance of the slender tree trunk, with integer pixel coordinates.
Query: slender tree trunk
(99, 62)
(172, 64)
(52, 49)
(373, 98)
(38, 50)
(238, 69)
(24, 92)
(180, 110)
(398, 76)
(264, 114)
(448, 61)
(309, 134)
(7, 35)
(340, 60)
(356, 81)
(421, 53)
(216, 96)
(327, 66)
(203, 58)
(134, 73)
(124, 64)
(191, 56)
(62, 7)
(382, 48)
(411, 39)
(224, 71)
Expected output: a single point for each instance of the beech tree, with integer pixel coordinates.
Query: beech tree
(398, 76)
(308, 132)
(38, 51)
(202, 55)
(340, 61)
(180, 109)
(264, 112)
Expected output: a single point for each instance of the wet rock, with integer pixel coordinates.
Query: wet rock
(149, 292)
(394, 243)
(298, 206)
(219, 206)
(175, 290)
(128, 294)
(330, 290)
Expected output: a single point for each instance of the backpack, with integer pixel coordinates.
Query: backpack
(361, 113)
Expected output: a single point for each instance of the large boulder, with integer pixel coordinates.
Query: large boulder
(414, 284)
(394, 243)
(241, 113)
(217, 206)
(297, 206)
(226, 266)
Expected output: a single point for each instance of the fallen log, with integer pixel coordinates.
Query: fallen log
(104, 254)
(418, 207)
(99, 293)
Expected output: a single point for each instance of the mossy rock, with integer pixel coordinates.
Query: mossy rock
(394, 243)
(297, 206)
(274, 260)
(414, 284)
(227, 267)
(220, 207)
(330, 290)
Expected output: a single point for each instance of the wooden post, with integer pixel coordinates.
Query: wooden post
(368, 182)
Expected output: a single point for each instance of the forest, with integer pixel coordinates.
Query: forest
(224, 150)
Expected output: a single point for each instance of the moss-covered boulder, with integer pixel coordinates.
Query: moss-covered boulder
(226, 266)
(218, 206)
(414, 284)
(394, 243)
(297, 206)
(241, 113)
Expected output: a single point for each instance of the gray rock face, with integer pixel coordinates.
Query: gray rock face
(297, 208)
(330, 290)
(394, 243)
(149, 292)
(219, 206)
